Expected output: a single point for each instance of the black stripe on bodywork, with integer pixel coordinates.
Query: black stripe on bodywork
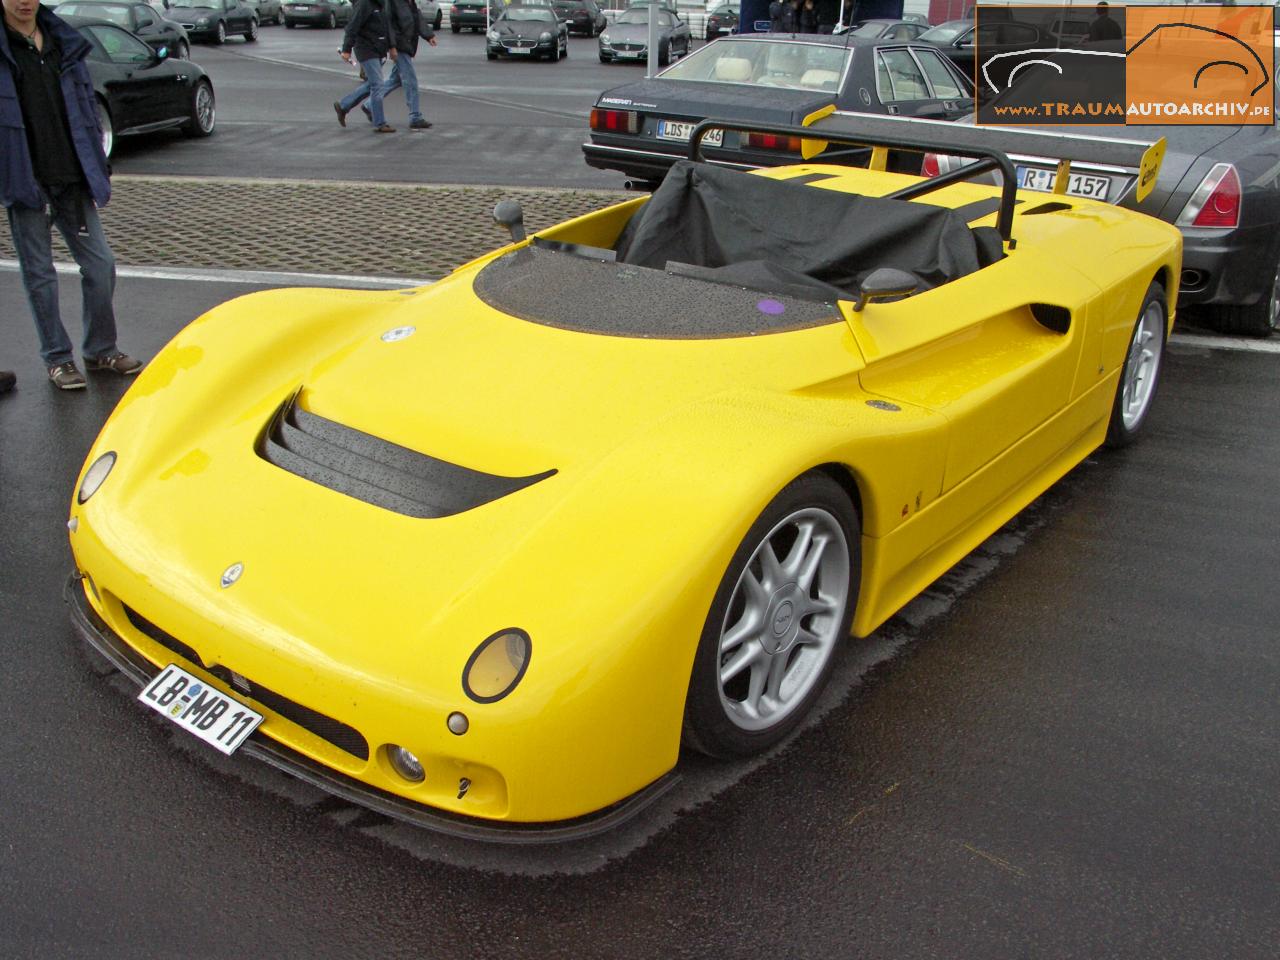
(379, 472)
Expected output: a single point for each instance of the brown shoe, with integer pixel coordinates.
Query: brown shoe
(65, 376)
(384, 128)
(7, 380)
(115, 362)
(342, 114)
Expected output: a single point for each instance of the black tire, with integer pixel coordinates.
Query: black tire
(1260, 319)
(490, 56)
(331, 22)
(1140, 371)
(712, 724)
(220, 33)
(439, 20)
(203, 116)
(604, 59)
(289, 24)
(664, 56)
(251, 35)
(183, 50)
(455, 28)
(107, 125)
(566, 48)
(554, 55)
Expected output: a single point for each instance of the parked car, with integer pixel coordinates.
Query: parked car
(766, 78)
(647, 492)
(214, 20)
(582, 16)
(269, 11)
(141, 90)
(140, 19)
(329, 14)
(528, 33)
(474, 14)
(1217, 185)
(721, 20)
(432, 12)
(962, 40)
(627, 38)
(884, 29)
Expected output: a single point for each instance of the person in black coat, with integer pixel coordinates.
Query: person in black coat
(808, 17)
(407, 26)
(369, 35)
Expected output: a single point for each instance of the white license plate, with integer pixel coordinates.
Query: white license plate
(1080, 184)
(629, 53)
(221, 721)
(678, 130)
(524, 50)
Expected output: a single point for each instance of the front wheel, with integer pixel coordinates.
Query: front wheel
(251, 34)
(220, 33)
(107, 127)
(1141, 371)
(784, 605)
(184, 50)
(332, 21)
(201, 120)
(439, 20)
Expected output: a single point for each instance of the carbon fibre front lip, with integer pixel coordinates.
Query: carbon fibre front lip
(98, 635)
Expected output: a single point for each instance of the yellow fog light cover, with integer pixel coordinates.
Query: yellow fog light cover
(95, 475)
(496, 666)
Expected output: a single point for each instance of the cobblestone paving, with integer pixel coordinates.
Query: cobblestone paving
(388, 230)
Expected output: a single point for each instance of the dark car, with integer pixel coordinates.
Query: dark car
(1217, 184)
(268, 11)
(140, 19)
(528, 33)
(140, 90)
(885, 29)
(581, 16)
(474, 14)
(317, 13)
(963, 40)
(213, 20)
(627, 38)
(641, 128)
(721, 20)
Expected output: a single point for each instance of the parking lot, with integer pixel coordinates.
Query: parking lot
(1067, 747)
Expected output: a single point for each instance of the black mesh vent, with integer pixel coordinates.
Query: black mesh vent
(377, 471)
(341, 735)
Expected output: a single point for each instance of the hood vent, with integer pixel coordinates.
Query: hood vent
(377, 471)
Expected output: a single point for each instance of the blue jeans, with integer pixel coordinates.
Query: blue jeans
(403, 73)
(371, 88)
(32, 238)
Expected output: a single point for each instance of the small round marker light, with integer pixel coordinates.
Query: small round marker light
(95, 476)
(405, 764)
(458, 723)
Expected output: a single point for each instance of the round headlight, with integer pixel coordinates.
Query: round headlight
(544, 36)
(604, 38)
(95, 475)
(202, 21)
(493, 34)
(405, 764)
(496, 666)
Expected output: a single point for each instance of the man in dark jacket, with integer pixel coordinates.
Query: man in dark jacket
(406, 27)
(369, 35)
(53, 171)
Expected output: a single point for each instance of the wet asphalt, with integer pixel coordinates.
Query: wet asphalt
(1067, 748)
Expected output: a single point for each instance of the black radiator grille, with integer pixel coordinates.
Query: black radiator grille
(341, 735)
(377, 471)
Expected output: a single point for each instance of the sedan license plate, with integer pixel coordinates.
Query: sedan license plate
(524, 50)
(679, 130)
(1080, 184)
(221, 721)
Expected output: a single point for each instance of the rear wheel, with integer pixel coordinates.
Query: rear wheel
(108, 128)
(183, 50)
(439, 20)
(1141, 371)
(331, 21)
(1261, 319)
(220, 33)
(455, 28)
(203, 115)
(784, 606)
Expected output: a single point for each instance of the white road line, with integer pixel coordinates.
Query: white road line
(257, 277)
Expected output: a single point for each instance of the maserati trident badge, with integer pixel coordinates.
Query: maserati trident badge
(231, 575)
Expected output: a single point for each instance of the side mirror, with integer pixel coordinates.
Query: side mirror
(886, 283)
(510, 214)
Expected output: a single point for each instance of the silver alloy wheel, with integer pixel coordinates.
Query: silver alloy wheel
(1274, 316)
(205, 111)
(184, 50)
(221, 33)
(108, 130)
(784, 618)
(1142, 365)
(252, 32)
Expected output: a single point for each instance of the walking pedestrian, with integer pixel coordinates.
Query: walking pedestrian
(407, 26)
(808, 17)
(369, 35)
(7, 380)
(53, 173)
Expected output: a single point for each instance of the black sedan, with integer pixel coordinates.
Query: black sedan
(317, 13)
(140, 19)
(268, 11)
(474, 14)
(627, 38)
(1219, 185)
(961, 40)
(642, 128)
(581, 16)
(885, 29)
(528, 33)
(213, 20)
(140, 90)
(721, 20)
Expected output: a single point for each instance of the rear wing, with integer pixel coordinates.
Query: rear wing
(989, 147)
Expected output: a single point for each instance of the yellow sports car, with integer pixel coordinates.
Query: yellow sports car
(481, 557)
